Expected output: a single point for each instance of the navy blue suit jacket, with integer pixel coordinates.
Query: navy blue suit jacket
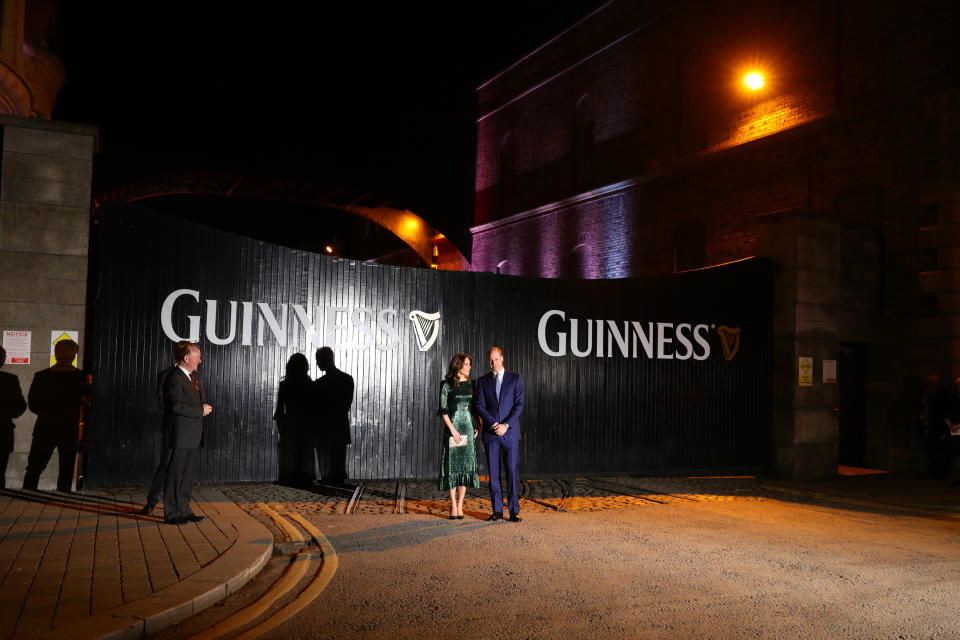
(507, 410)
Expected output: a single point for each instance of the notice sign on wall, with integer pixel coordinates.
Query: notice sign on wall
(830, 371)
(17, 346)
(805, 372)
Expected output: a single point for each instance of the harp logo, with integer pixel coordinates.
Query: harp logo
(426, 327)
(730, 340)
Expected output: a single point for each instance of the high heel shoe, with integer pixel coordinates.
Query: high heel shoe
(459, 517)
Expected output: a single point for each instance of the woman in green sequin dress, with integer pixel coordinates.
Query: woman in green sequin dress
(458, 464)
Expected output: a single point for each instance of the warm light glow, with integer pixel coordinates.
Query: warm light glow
(411, 224)
(753, 80)
(328, 249)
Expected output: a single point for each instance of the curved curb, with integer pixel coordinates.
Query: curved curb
(225, 575)
(313, 590)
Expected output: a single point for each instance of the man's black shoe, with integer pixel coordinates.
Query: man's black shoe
(147, 508)
(195, 518)
(514, 517)
(177, 521)
(495, 516)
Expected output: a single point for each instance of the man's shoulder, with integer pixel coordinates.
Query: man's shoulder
(44, 376)
(174, 376)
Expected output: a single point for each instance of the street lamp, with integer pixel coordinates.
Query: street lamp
(753, 80)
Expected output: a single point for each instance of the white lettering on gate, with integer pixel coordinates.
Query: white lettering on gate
(337, 327)
(629, 339)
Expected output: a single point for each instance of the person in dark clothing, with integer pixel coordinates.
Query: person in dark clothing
(12, 405)
(56, 396)
(952, 445)
(185, 405)
(293, 416)
(334, 396)
(934, 417)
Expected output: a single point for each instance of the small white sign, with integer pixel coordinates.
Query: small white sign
(62, 334)
(830, 371)
(17, 345)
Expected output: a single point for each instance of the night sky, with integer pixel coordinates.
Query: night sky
(366, 95)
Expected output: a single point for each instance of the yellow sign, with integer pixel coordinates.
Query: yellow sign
(805, 372)
(58, 335)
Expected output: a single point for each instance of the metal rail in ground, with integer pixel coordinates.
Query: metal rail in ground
(616, 487)
(355, 499)
(400, 503)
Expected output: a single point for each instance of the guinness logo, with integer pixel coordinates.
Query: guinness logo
(729, 340)
(426, 326)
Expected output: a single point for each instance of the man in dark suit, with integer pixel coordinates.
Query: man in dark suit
(499, 403)
(185, 405)
(12, 405)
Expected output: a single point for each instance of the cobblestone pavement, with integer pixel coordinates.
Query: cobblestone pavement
(546, 495)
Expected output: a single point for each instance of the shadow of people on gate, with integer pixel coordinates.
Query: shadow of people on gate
(57, 396)
(294, 417)
(333, 395)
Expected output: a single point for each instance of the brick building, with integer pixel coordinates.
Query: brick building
(629, 145)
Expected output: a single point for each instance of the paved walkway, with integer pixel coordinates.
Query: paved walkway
(88, 565)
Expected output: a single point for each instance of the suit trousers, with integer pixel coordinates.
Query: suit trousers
(159, 478)
(181, 471)
(511, 454)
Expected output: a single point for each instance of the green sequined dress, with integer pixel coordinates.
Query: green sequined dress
(458, 465)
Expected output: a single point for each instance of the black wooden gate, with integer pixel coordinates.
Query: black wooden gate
(666, 375)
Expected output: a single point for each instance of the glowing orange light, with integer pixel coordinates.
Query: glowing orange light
(328, 249)
(753, 80)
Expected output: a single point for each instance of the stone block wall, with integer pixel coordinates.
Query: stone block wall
(45, 190)
(808, 303)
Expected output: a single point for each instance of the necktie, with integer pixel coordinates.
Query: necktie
(196, 385)
(499, 380)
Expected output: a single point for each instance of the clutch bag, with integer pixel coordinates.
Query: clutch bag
(463, 441)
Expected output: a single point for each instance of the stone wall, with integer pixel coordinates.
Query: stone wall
(45, 183)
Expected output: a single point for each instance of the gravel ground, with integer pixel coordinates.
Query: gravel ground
(629, 558)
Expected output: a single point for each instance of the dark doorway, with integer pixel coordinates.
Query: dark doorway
(851, 404)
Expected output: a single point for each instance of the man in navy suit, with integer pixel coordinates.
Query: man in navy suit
(499, 403)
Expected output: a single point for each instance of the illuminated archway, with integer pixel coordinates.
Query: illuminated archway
(410, 228)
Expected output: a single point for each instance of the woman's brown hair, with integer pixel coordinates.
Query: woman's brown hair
(456, 363)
